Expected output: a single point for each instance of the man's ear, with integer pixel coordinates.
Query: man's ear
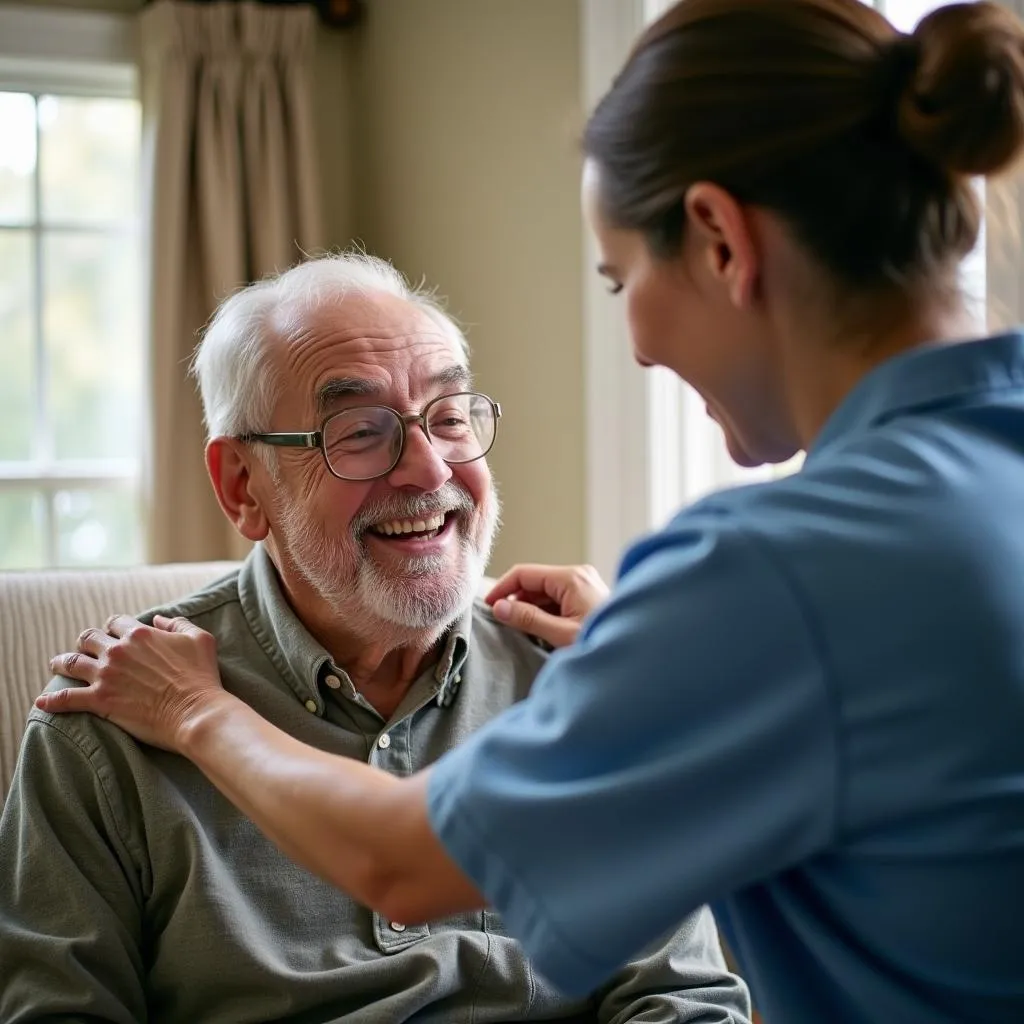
(229, 464)
(721, 225)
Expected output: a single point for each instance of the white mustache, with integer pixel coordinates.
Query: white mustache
(450, 498)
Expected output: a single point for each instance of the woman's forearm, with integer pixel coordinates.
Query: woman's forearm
(355, 826)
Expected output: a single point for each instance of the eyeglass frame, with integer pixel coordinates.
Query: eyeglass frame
(315, 438)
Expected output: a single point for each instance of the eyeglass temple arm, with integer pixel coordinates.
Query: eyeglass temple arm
(310, 440)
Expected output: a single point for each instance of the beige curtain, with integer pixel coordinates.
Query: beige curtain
(229, 157)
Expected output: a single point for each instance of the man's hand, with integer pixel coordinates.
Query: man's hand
(153, 681)
(547, 601)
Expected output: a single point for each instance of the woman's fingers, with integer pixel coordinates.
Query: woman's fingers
(75, 665)
(573, 588)
(547, 601)
(179, 624)
(123, 625)
(528, 618)
(94, 641)
(529, 577)
(149, 681)
(73, 698)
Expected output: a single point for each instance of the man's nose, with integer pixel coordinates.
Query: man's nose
(420, 466)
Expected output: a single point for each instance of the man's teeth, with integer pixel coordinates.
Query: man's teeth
(399, 526)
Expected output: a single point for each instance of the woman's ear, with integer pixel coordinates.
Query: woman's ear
(720, 224)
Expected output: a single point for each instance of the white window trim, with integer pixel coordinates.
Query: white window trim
(618, 449)
(650, 447)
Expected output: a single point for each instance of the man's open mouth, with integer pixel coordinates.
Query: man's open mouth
(413, 529)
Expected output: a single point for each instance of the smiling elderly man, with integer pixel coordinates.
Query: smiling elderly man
(347, 441)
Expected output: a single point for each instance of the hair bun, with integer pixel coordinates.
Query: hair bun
(962, 105)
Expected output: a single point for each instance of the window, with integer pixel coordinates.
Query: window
(71, 356)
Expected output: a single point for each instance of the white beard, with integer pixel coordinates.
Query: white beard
(428, 595)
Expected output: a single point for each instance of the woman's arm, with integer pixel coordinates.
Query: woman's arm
(359, 828)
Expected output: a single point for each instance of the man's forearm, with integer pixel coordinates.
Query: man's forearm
(357, 827)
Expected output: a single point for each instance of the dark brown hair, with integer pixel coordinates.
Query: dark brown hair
(861, 138)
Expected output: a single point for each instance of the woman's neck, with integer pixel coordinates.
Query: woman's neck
(823, 366)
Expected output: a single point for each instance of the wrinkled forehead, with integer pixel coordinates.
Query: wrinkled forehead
(376, 346)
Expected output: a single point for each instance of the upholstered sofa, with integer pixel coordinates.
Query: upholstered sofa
(42, 613)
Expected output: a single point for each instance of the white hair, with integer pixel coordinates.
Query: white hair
(237, 385)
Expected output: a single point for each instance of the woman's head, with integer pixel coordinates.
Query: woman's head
(755, 155)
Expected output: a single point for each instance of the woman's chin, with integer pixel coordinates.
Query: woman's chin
(740, 455)
(769, 455)
(744, 455)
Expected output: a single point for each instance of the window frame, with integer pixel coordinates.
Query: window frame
(74, 54)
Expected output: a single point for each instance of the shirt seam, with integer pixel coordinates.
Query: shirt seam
(815, 635)
(202, 603)
(480, 977)
(116, 811)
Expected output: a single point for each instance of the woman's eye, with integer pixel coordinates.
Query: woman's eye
(615, 288)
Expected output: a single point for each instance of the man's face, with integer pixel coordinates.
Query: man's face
(338, 536)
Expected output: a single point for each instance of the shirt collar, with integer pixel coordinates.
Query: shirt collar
(301, 661)
(933, 375)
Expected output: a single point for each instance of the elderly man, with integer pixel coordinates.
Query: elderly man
(345, 440)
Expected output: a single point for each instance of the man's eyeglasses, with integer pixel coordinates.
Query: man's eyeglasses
(367, 442)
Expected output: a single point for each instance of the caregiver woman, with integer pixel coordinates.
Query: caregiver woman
(804, 701)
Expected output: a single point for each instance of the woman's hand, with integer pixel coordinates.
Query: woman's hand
(153, 681)
(547, 601)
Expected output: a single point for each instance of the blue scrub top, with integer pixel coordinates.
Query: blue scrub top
(803, 704)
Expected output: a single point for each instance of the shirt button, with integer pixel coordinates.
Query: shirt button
(384, 741)
(397, 926)
(311, 705)
(333, 682)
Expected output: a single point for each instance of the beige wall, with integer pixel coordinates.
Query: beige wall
(467, 172)
(333, 111)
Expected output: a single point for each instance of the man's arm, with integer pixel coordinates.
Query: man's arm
(683, 978)
(70, 899)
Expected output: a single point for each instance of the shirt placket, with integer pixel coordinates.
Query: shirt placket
(392, 753)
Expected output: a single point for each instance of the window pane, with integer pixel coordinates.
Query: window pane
(22, 526)
(92, 319)
(89, 152)
(905, 14)
(16, 345)
(97, 527)
(17, 157)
